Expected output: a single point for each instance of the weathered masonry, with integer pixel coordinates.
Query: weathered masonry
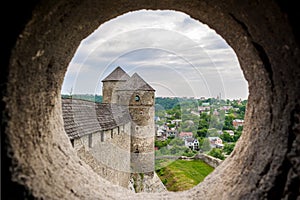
(116, 138)
(38, 159)
(100, 134)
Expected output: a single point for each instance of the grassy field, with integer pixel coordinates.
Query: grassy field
(181, 175)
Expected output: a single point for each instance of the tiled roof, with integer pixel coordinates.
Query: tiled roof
(85, 117)
(182, 134)
(117, 75)
(190, 139)
(136, 83)
(112, 115)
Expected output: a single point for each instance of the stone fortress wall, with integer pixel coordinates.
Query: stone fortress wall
(38, 160)
(119, 144)
(109, 154)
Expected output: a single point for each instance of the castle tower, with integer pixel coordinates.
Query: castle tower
(111, 82)
(139, 97)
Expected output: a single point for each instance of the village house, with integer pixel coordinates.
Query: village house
(192, 143)
(177, 122)
(160, 133)
(203, 109)
(185, 135)
(171, 132)
(215, 142)
(226, 108)
(237, 122)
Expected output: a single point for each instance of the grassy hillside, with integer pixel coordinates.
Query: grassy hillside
(181, 175)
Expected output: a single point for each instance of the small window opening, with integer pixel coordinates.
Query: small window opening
(102, 136)
(90, 140)
(72, 142)
(137, 98)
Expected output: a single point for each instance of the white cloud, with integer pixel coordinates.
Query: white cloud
(167, 48)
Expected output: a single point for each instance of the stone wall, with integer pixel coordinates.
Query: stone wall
(110, 158)
(111, 174)
(213, 162)
(39, 159)
(146, 182)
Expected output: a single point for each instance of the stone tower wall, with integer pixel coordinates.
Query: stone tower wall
(107, 91)
(142, 128)
(128, 98)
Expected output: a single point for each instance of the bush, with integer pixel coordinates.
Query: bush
(217, 153)
(228, 148)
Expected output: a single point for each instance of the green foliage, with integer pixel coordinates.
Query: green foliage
(178, 150)
(162, 151)
(213, 132)
(160, 144)
(228, 122)
(240, 129)
(182, 174)
(202, 132)
(189, 153)
(87, 97)
(166, 103)
(228, 148)
(226, 137)
(177, 141)
(216, 122)
(203, 125)
(237, 135)
(142, 176)
(217, 153)
(165, 181)
(205, 145)
(171, 125)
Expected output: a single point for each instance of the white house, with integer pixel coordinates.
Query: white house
(159, 133)
(192, 143)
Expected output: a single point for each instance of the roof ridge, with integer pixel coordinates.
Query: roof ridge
(136, 82)
(118, 74)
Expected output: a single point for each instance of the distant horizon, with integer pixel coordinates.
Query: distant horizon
(190, 97)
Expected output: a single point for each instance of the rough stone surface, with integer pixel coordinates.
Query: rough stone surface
(213, 162)
(146, 182)
(265, 163)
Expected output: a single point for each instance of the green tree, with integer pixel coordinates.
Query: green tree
(228, 122)
(164, 151)
(177, 141)
(228, 148)
(237, 135)
(217, 153)
(206, 145)
(226, 137)
(160, 144)
(202, 132)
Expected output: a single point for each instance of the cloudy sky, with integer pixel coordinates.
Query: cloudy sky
(175, 54)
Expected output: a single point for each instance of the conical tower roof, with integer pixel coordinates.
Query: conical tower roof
(117, 75)
(136, 83)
